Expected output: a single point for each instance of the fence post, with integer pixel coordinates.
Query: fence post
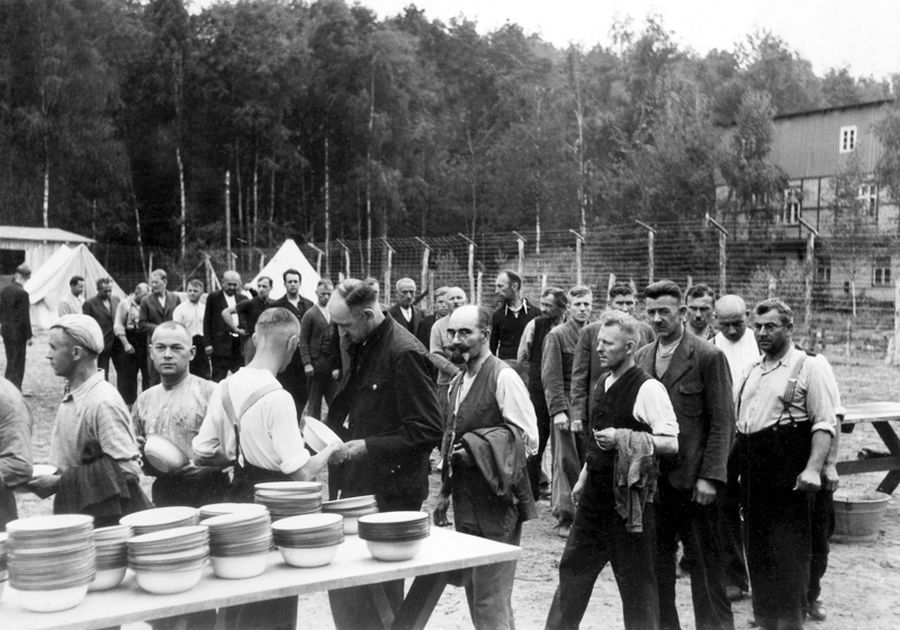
(319, 254)
(723, 255)
(520, 264)
(895, 359)
(426, 253)
(346, 249)
(651, 233)
(808, 273)
(579, 239)
(773, 287)
(471, 269)
(388, 272)
(228, 219)
(609, 285)
(479, 287)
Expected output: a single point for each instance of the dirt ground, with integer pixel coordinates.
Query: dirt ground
(859, 588)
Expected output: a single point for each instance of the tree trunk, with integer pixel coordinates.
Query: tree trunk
(474, 182)
(254, 222)
(369, 174)
(230, 262)
(327, 212)
(271, 202)
(183, 203)
(46, 204)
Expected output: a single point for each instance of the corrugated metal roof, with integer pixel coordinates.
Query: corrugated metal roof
(19, 233)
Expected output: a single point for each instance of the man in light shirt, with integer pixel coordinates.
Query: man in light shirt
(134, 345)
(73, 301)
(190, 315)
(439, 345)
(315, 349)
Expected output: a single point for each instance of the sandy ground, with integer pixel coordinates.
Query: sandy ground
(858, 590)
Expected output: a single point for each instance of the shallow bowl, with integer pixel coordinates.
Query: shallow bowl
(163, 454)
(394, 551)
(53, 600)
(308, 557)
(167, 582)
(106, 579)
(239, 567)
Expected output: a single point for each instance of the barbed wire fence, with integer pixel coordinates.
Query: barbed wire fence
(843, 294)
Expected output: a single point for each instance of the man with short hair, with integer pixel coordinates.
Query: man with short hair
(632, 423)
(315, 349)
(15, 324)
(221, 344)
(91, 437)
(15, 448)
(248, 311)
(491, 419)
(622, 298)
(699, 301)
(404, 311)
(293, 378)
(387, 413)
(102, 307)
(190, 315)
(72, 302)
(156, 308)
(134, 345)
(697, 378)
(512, 314)
(556, 377)
(440, 309)
(439, 346)
(786, 422)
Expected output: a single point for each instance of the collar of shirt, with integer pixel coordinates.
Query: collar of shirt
(521, 309)
(71, 394)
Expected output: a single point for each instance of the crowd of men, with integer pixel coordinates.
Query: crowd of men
(660, 431)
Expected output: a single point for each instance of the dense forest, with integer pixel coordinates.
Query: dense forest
(127, 120)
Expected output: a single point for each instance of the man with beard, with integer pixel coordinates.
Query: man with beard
(699, 302)
(248, 312)
(387, 413)
(697, 378)
(491, 419)
(293, 378)
(102, 307)
(221, 344)
(190, 315)
(631, 418)
(512, 314)
(315, 349)
(403, 311)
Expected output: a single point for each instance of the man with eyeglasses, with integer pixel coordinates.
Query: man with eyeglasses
(785, 426)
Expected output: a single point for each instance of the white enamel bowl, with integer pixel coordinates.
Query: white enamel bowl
(106, 579)
(239, 567)
(394, 551)
(53, 600)
(168, 582)
(308, 557)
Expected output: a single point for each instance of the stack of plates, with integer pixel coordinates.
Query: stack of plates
(351, 509)
(169, 561)
(289, 498)
(4, 574)
(217, 509)
(158, 519)
(51, 560)
(239, 543)
(309, 540)
(394, 535)
(112, 556)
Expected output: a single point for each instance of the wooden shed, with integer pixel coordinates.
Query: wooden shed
(33, 245)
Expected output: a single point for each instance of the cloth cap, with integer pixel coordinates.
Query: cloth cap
(84, 330)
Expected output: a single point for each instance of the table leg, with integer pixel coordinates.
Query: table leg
(386, 612)
(890, 439)
(420, 601)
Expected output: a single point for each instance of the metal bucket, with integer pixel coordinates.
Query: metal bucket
(857, 518)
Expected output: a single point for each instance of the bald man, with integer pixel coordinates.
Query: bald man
(221, 344)
(734, 338)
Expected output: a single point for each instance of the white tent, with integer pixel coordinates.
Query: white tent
(287, 257)
(50, 282)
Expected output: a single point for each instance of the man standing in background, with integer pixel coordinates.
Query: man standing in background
(102, 307)
(15, 448)
(73, 301)
(512, 314)
(15, 324)
(156, 308)
(699, 301)
(293, 378)
(221, 344)
(315, 349)
(190, 315)
(439, 344)
(440, 309)
(406, 314)
(134, 345)
(248, 312)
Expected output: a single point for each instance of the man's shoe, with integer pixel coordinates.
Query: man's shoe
(562, 530)
(816, 611)
(734, 593)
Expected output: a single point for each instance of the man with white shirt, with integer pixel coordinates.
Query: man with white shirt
(315, 349)
(221, 344)
(190, 315)
(403, 311)
(439, 346)
(491, 419)
(73, 301)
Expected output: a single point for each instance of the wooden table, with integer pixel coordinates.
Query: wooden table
(880, 415)
(444, 551)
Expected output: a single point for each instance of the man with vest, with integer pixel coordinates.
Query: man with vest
(785, 426)
(491, 419)
(632, 422)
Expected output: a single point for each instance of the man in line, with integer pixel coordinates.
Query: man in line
(622, 298)
(699, 302)
(15, 449)
(102, 307)
(786, 423)
(190, 315)
(248, 311)
(440, 309)
(387, 413)
(293, 378)
(315, 349)
(556, 376)
(156, 308)
(512, 314)
(738, 344)
(439, 347)
(531, 352)
(134, 345)
(221, 344)
(268, 447)
(91, 434)
(698, 381)
(15, 324)
(72, 302)
(406, 314)
(487, 396)
(628, 405)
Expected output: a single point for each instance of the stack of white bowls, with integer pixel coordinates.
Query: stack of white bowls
(51, 560)
(394, 536)
(351, 509)
(158, 519)
(217, 509)
(4, 574)
(309, 540)
(171, 560)
(239, 543)
(289, 498)
(112, 556)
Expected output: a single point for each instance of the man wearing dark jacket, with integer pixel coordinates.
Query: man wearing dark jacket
(293, 378)
(221, 344)
(698, 380)
(315, 349)
(489, 394)
(102, 307)
(157, 307)
(404, 311)
(387, 413)
(15, 324)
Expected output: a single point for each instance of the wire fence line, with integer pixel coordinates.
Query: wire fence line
(842, 291)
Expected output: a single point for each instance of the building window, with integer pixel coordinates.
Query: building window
(868, 199)
(793, 206)
(881, 271)
(823, 270)
(848, 139)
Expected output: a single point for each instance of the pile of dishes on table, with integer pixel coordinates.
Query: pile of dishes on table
(351, 509)
(394, 536)
(4, 574)
(289, 498)
(112, 556)
(309, 540)
(240, 542)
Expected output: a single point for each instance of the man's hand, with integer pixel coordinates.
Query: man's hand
(704, 492)
(309, 370)
(578, 488)
(561, 421)
(208, 351)
(605, 439)
(348, 451)
(461, 456)
(30, 341)
(440, 511)
(129, 349)
(830, 478)
(335, 375)
(808, 481)
(192, 472)
(44, 486)
(576, 426)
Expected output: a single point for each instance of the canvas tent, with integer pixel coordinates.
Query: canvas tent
(289, 256)
(50, 282)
